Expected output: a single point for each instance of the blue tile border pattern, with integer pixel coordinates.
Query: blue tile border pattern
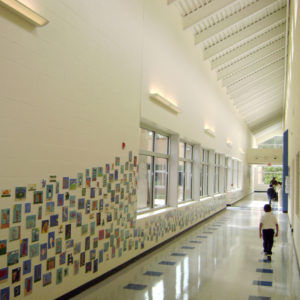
(259, 298)
(202, 236)
(133, 286)
(168, 263)
(270, 271)
(178, 254)
(263, 283)
(152, 273)
(187, 247)
(196, 242)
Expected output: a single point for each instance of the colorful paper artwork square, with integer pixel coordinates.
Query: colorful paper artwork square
(38, 197)
(3, 247)
(45, 226)
(62, 258)
(43, 251)
(53, 220)
(28, 286)
(49, 192)
(84, 229)
(72, 201)
(81, 202)
(49, 207)
(92, 228)
(4, 294)
(80, 179)
(34, 250)
(23, 247)
(73, 184)
(3, 274)
(68, 231)
(17, 291)
(66, 182)
(73, 215)
(14, 233)
(47, 278)
(88, 207)
(60, 199)
(6, 193)
(40, 213)
(78, 219)
(58, 245)
(65, 214)
(69, 244)
(26, 266)
(51, 239)
(37, 273)
(16, 275)
(51, 263)
(35, 235)
(27, 208)
(12, 257)
(17, 213)
(5, 217)
(77, 248)
(20, 193)
(30, 221)
(59, 275)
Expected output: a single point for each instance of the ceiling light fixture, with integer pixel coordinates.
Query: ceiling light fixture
(25, 12)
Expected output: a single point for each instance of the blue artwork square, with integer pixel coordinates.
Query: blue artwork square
(268, 271)
(26, 266)
(17, 291)
(4, 293)
(178, 254)
(27, 207)
(53, 220)
(167, 263)
(152, 273)
(187, 247)
(262, 283)
(137, 287)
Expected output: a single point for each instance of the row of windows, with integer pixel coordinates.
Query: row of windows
(154, 170)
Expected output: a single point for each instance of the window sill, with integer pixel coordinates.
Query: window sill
(153, 212)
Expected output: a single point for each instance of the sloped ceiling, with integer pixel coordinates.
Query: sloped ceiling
(245, 43)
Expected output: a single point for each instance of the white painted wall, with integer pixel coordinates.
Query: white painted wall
(292, 122)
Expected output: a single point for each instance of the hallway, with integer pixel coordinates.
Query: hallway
(220, 258)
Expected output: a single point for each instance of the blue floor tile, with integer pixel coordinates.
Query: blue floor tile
(196, 242)
(207, 232)
(178, 254)
(259, 298)
(187, 247)
(263, 283)
(168, 263)
(264, 271)
(152, 273)
(137, 287)
(265, 261)
(202, 236)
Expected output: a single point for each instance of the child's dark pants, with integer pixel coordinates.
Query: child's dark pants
(268, 237)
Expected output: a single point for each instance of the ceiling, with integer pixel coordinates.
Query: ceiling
(245, 43)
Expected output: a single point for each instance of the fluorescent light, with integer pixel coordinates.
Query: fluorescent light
(210, 131)
(24, 12)
(164, 101)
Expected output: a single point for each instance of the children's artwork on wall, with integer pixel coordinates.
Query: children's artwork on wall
(17, 291)
(47, 278)
(3, 247)
(6, 193)
(68, 231)
(31, 187)
(78, 219)
(3, 274)
(23, 247)
(83, 192)
(16, 275)
(5, 214)
(45, 226)
(65, 183)
(27, 208)
(88, 267)
(34, 250)
(50, 263)
(73, 215)
(60, 199)
(62, 258)
(87, 206)
(17, 213)
(43, 251)
(92, 254)
(94, 174)
(58, 245)
(101, 234)
(95, 242)
(87, 172)
(100, 171)
(81, 203)
(49, 207)
(80, 179)
(12, 257)
(84, 229)
(92, 228)
(14, 233)
(26, 266)
(98, 219)
(51, 239)
(77, 248)
(40, 213)
(72, 201)
(76, 267)
(82, 259)
(59, 275)
(87, 243)
(101, 255)
(30, 221)
(49, 192)
(28, 286)
(38, 197)
(69, 244)
(37, 273)
(95, 266)
(20, 193)
(65, 214)
(93, 192)
(4, 293)
(35, 235)
(53, 220)
(73, 184)
(88, 182)
(66, 271)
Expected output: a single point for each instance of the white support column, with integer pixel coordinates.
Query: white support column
(196, 173)
(173, 171)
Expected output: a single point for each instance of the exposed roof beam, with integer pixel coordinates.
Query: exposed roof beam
(267, 123)
(274, 34)
(262, 118)
(204, 12)
(242, 88)
(230, 21)
(258, 113)
(252, 58)
(254, 67)
(258, 75)
(248, 32)
(258, 103)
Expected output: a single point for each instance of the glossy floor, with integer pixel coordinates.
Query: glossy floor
(221, 258)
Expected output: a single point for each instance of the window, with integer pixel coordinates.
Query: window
(265, 174)
(204, 173)
(226, 174)
(185, 168)
(153, 169)
(217, 174)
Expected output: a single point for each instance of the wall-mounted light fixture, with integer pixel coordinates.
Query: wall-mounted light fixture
(164, 101)
(209, 131)
(241, 150)
(25, 12)
(229, 143)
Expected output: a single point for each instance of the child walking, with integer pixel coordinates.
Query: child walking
(268, 225)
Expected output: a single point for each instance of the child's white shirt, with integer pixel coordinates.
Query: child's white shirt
(268, 221)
